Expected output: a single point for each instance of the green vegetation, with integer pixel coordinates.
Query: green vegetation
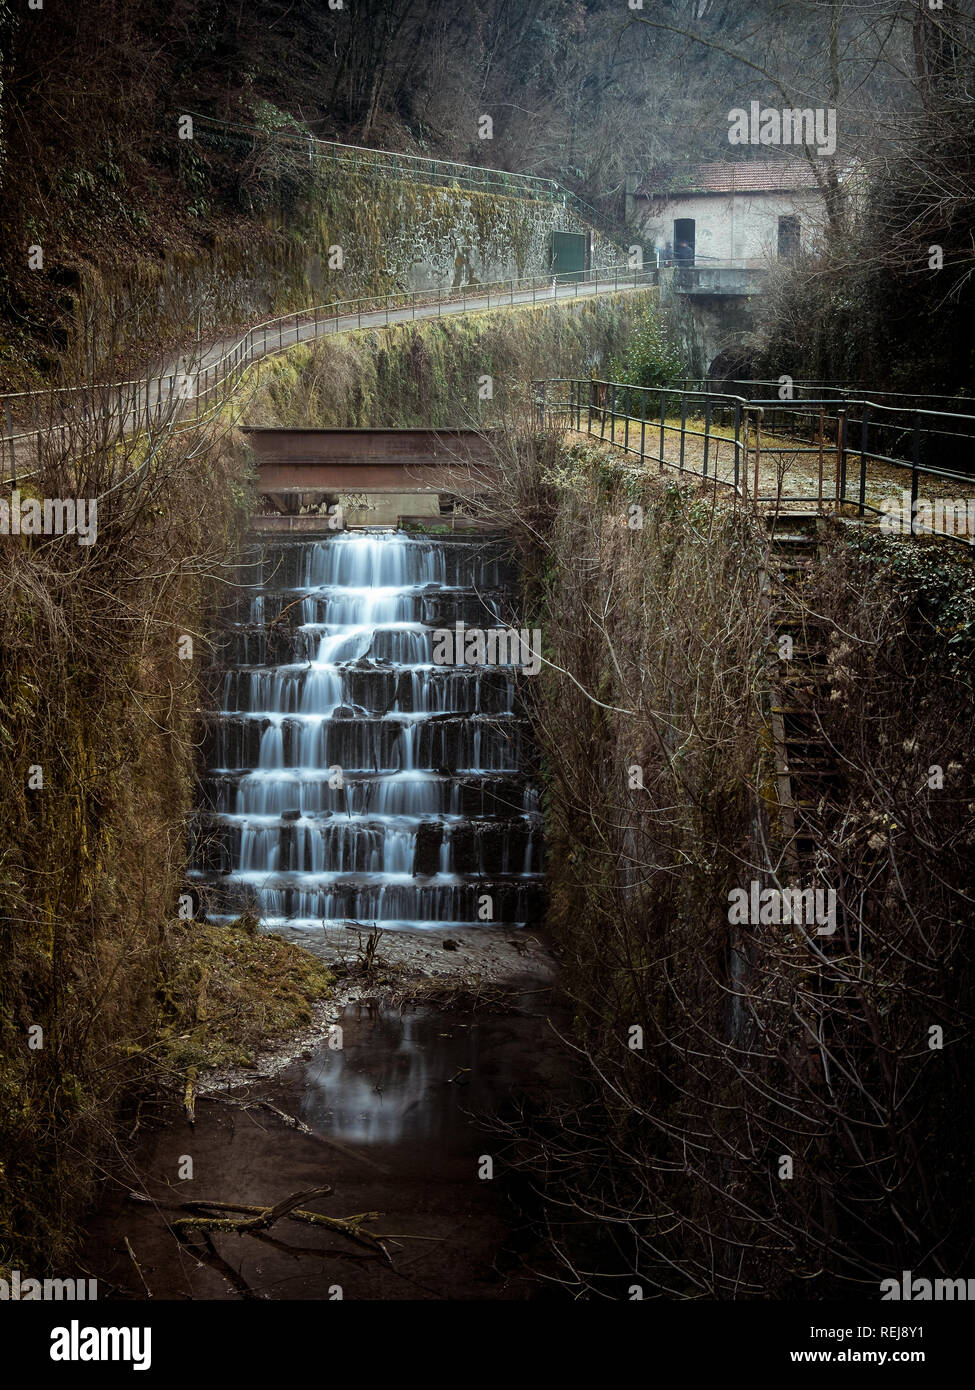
(429, 372)
(651, 356)
(226, 991)
(933, 588)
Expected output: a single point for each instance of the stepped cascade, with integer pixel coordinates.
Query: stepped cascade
(348, 779)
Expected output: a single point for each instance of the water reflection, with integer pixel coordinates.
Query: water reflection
(417, 1077)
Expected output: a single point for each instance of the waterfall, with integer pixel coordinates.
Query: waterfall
(348, 779)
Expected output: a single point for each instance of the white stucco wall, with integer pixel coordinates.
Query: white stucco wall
(732, 226)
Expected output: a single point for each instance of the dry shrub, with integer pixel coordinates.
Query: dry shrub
(93, 691)
(758, 1043)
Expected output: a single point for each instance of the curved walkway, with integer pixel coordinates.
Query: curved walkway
(153, 401)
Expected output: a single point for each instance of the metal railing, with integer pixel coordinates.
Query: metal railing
(855, 444)
(435, 173)
(769, 389)
(146, 402)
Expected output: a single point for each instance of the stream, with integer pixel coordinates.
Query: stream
(351, 784)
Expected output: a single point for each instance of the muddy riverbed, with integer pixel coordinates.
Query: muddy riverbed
(389, 1102)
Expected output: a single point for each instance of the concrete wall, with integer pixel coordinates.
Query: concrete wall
(395, 236)
(443, 238)
(731, 226)
(711, 311)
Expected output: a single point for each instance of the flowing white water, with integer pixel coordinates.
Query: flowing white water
(355, 781)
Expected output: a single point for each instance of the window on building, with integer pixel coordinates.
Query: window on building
(788, 238)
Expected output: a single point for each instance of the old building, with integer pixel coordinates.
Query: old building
(746, 213)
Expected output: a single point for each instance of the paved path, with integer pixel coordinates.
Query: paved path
(156, 402)
(277, 339)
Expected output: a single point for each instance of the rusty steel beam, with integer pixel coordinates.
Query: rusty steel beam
(393, 460)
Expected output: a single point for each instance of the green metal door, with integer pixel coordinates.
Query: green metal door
(568, 255)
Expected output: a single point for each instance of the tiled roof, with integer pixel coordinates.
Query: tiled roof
(741, 176)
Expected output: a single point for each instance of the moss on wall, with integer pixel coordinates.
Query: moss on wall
(430, 372)
(395, 235)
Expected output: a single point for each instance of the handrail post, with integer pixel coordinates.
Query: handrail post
(840, 459)
(864, 426)
(10, 441)
(758, 454)
(643, 426)
(915, 459)
(683, 427)
(822, 423)
(626, 421)
(663, 426)
(738, 414)
(707, 432)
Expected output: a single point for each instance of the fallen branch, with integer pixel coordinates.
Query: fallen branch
(189, 1096)
(138, 1267)
(262, 1217)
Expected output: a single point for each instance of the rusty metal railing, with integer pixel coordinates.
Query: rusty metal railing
(854, 445)
(202, 387)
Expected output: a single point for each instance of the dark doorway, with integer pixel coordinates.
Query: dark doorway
(788, 238)
(684, 240)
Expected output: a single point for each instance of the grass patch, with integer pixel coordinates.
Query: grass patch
(227, 991)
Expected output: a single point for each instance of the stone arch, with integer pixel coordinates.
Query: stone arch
(733, 364)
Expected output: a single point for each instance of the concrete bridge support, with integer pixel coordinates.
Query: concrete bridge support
(713, 309)
(379, 476)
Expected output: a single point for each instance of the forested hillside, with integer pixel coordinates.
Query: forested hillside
(584, 91)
